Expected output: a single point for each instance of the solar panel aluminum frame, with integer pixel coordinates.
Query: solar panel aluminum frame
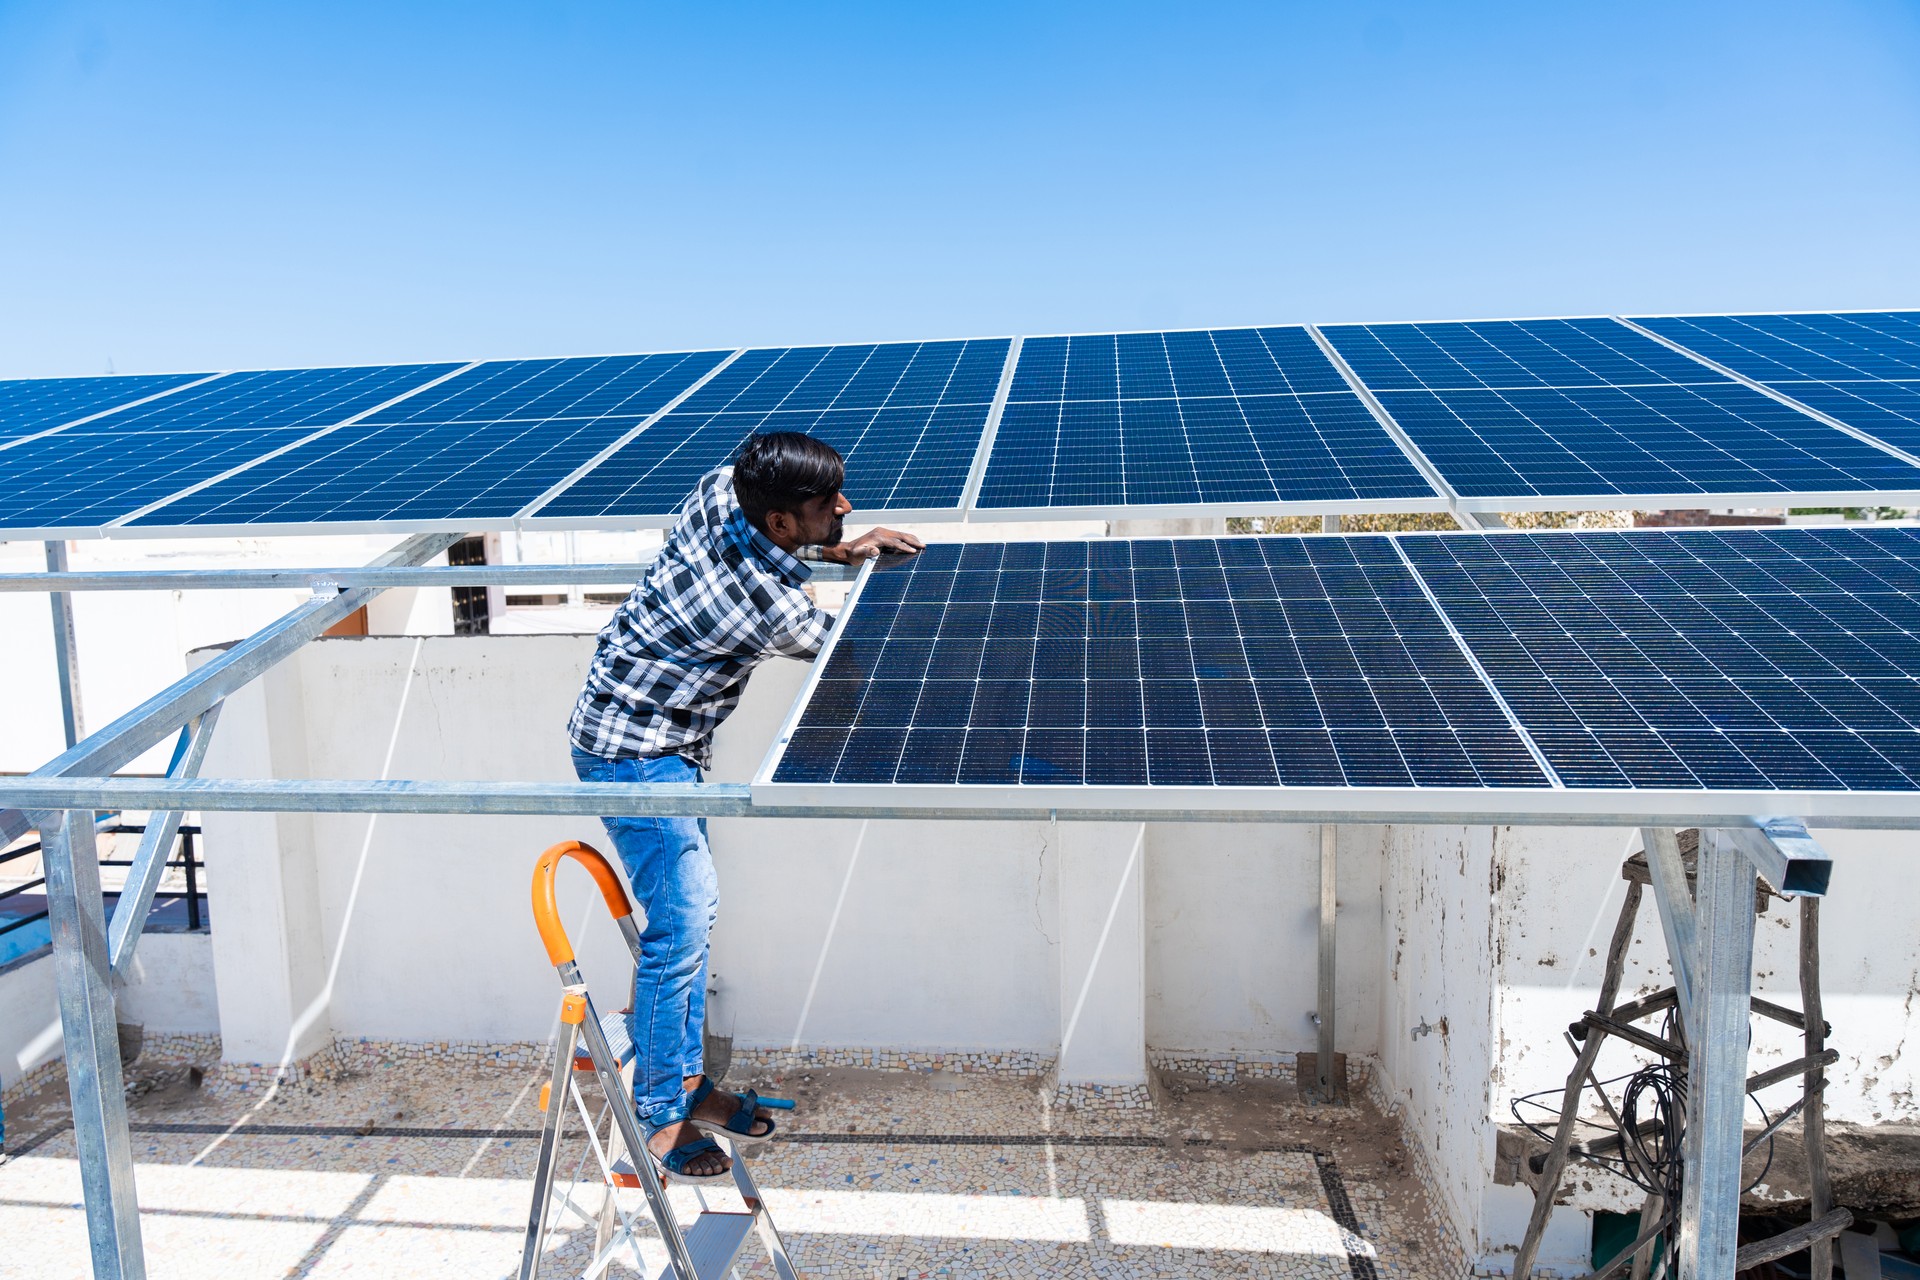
(1522, 806)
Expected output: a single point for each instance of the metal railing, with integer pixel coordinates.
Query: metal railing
(185, 857)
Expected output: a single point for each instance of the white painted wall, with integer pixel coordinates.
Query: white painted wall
(948, 935)
(132, 644)
(169, 990)
(29, 1018)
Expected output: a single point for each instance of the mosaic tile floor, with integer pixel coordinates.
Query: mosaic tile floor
(426, 1172)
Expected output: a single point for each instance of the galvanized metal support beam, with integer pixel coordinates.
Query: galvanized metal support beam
(1329, 524)
(1324, 1081)
(92, 1044)
(150, 863)
(1668, 879)
(440, 575)
(1781, 850)
(78, 920)
(186, 698)
(1717, 1067)
(66, 650)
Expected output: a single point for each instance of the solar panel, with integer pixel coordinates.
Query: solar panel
(31, 405)
(1259, 417)
(1721, 660)
(1591, 410)
(99, 471)
(482, 445)
(907, 417)
(1860, 368)
(1830, 347)
(1241, 662)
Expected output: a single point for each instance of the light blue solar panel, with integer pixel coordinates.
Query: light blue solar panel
(906, 416)
(1723, 659)
(32, 405)
(1121, 421)
(482, 446)
(108, 468)
(1590, 409)
(1828, 347)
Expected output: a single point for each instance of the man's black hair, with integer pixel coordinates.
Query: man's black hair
(781, 470)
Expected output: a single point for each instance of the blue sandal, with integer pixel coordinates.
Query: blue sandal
(674, 1163)
(739, 1127)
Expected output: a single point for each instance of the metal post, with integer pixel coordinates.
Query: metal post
(66, 652)
(1329, 524)
(1667, 877)
(92, 1045)
(193, 885)
(1329, 851)
(1717, 1066)
(150, 863)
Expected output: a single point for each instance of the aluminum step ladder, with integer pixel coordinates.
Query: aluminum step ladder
(599, 1046)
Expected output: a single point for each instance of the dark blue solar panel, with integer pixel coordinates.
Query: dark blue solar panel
(77, 479)
(1592, 352)
(1663, 439)
(1591, 409)
(906, 416)
(1232, 662)
(482, 445)
(1738, 659)
(1831, 347)
(32, 405)
(1860, 368)
(1888, 411)
(112, 466)
(1254, 416)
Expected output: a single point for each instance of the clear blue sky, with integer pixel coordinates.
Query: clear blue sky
(201, 185)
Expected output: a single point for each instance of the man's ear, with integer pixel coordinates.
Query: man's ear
(782, 525)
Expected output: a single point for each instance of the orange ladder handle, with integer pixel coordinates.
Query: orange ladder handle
(546, 912)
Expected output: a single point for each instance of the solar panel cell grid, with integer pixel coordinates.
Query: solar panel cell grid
(1239, 662)
(481, 445)
(1591, 409)
(1862, 369)
(1699, 659)
(270, 399)
(906, 416)
(1180, 419)
(106, 469)
(1832, 347)
(32, 405)
(1590, 352)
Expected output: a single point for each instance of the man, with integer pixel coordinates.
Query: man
(724, 596)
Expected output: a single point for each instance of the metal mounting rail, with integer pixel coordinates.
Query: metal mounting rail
(354, 578)
(52, 792)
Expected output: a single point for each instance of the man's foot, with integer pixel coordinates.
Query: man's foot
(705, 1165)
(717, 1108)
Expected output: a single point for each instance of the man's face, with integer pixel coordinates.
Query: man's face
(818, 522)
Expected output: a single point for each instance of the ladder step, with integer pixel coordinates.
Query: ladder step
(614, 1027)
(713, 1242)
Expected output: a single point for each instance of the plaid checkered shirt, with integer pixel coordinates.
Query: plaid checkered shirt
(720, 600)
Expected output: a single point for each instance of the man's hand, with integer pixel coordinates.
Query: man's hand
(873, 543)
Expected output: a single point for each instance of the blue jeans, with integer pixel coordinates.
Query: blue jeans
(671, 871)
